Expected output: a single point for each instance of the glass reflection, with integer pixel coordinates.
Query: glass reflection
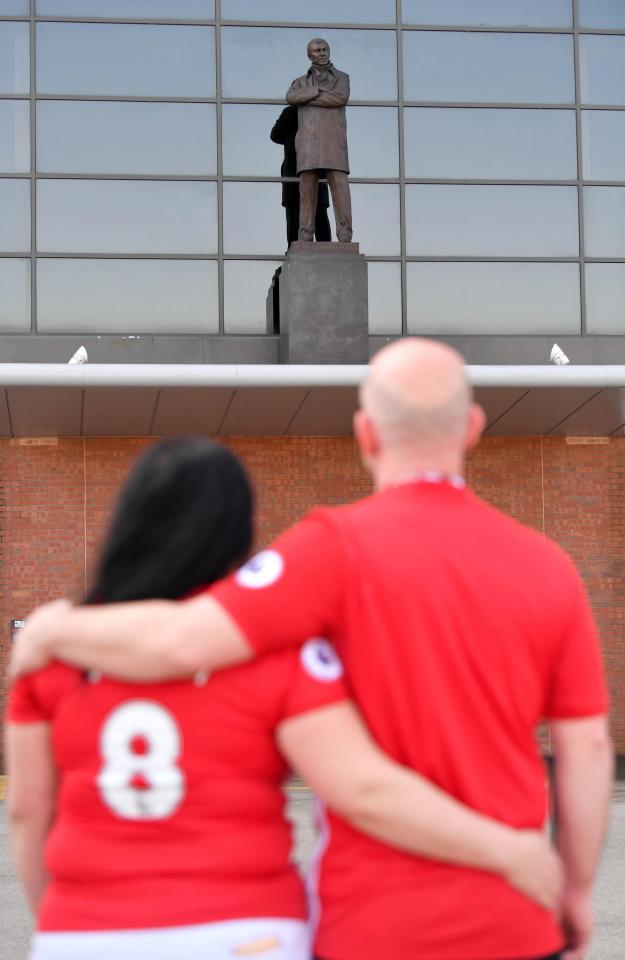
(489, 13)
(300, 11)
(605, 298)
(491, 221)
(604, 221)
(603, 144)
(466, 144)
(14, 8)
(376, 219)
(129, 9)
(248, 151)
(493, 298)
(384, 298)
(602, 14)
(602, 69)
(488, 67)
(15, 299)
(126, 216)
(139, 138)
(262, 62)
(253, 218)
(15, 219)
(372, 135)
(127, 296)
(14, 57)
(125, 59)
(14, 136)
(246, 284)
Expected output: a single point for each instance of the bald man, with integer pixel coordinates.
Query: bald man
(460, 629)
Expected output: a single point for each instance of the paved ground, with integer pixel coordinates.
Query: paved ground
(610, 936)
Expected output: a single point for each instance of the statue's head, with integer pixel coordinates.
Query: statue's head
(319, 52)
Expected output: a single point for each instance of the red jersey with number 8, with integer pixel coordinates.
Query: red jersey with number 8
(169, 806)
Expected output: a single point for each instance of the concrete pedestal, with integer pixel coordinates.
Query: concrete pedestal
(324, 314)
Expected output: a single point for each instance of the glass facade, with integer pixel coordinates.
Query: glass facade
(129, 9)
(125, 60)
(450, 67)
(140, 191)
(489, 13)
(14, 136)
(127, 296)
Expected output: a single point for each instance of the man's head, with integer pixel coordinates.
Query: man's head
(319, 52)
(416, 410)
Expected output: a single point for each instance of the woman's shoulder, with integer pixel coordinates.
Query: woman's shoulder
(37, 695)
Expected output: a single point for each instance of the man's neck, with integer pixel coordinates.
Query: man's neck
(399, 471)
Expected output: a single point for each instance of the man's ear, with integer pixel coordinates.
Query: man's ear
(366, 436)
(475, 426)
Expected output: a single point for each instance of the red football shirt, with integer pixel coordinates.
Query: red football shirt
(459, 629)
(170, 808)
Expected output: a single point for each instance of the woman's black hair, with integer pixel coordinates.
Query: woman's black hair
(183, 520)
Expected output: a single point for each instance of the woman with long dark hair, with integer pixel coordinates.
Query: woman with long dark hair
(147, 821)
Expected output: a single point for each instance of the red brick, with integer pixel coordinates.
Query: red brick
(55, 503)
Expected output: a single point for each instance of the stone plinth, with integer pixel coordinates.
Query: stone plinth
(324, 314)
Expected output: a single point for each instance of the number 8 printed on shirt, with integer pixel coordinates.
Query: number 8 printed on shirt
(140, 779)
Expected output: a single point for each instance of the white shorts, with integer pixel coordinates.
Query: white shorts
(261, 939)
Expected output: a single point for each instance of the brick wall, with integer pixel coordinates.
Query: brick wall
(55, 498)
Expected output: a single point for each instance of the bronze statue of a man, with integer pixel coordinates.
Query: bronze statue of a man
(321, 141)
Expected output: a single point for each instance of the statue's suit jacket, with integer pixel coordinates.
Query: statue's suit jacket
(321, 141)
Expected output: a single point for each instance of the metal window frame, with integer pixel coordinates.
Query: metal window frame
(400, 104)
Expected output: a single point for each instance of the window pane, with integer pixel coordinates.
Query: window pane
(602, 14)
(384, 298)
(262, 62)
(605, 298)
(603, 143)
(493, 298)
(14, 136)
(604, 221)
(248, 151)
(491, 221)
(126, 216)
(247, 147)
(129, 9)
(14, 8)
(127, 296)
(373, 141)
(109, 137)
(489, 13)
(301, 11)
(14, 57)
(488, 67)
(125, 60)
(254, 218)
(15, 299)
(602, 61)
(246, 284)
(376, 219)
(453, 143)
(15, 219)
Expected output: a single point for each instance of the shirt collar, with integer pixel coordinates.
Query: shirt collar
(428, 477)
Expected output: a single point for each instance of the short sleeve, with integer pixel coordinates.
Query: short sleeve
(23, 704)
(35, 698)
(317, 679)
(291, 591)
(578, 685)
